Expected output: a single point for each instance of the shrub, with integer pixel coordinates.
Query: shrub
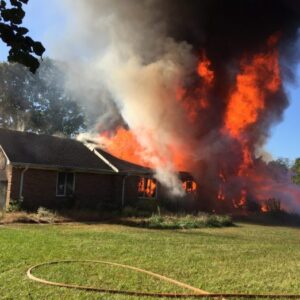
(146, 205)
(45, 215)
(129, 211)
(187, 221)
(14, 206)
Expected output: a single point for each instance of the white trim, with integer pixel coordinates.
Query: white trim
(7, 159)
(22, 183)
(59, 168)
(93, 149)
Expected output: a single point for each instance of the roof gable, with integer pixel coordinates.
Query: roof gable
(46, 150)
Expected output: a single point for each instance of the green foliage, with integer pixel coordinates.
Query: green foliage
(281, 163)
(144, 207)
(39, 102)
(188, 221)
(279, 167)
(147, 205)
(130, 211)
(14, 206)
(23, 49)
(296, 170)
(43, 212)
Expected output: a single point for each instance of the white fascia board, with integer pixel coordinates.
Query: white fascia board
(7, 159)
(92, 148)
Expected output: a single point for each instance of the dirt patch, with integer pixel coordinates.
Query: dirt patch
(32, 218)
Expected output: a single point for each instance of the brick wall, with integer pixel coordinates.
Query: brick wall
(95, 190)
(131, 190)
(15, 183)
(39, 189)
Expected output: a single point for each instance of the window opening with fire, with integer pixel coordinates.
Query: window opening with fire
(65, 184)
(147, 187)
(189, 186)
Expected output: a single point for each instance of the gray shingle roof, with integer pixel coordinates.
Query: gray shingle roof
(46, 150)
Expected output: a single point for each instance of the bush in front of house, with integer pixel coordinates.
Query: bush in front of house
(187, 221)
(14, 206)
(141, 208)
(133, 212)
(129, 211)
(146, 205)
(45, 215)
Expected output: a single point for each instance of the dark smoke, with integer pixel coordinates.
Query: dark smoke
(229, 28)
(140, 50)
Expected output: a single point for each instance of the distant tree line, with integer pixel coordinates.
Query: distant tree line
(284, 165)
(296, 171)
(38, 102)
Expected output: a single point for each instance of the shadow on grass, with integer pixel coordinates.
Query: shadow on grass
(276, 218)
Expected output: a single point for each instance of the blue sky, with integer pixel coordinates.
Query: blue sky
(46, 21)
(285, 137)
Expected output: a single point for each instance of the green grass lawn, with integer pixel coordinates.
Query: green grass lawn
(246, 258)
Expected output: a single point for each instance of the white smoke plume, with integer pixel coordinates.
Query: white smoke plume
(130, 71)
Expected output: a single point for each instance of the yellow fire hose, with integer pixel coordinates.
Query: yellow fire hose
(197, 293)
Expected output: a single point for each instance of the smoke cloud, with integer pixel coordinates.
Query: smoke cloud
(173, 73)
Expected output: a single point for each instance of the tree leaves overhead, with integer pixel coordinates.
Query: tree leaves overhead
(23, 49)
(39, 102)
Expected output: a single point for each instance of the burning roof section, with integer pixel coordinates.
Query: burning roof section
(24, 148)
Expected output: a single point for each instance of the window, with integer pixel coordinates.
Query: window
(147, 188)
(65, 184)
(189, 186)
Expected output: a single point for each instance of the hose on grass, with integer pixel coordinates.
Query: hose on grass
(197, 293)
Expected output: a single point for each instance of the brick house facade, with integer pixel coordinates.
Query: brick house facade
(53, 172)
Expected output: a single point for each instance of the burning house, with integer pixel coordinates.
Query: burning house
(42, 170)
(197, 87)
(192, 86)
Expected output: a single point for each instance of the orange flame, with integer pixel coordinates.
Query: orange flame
(125, 145)
(189, 186)
(242, 201)
(247, 160)
(258, 78)
(270, 205)
(204, 70)
(221, 193)
(199, 102)
(147, 187)
(264, 208)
